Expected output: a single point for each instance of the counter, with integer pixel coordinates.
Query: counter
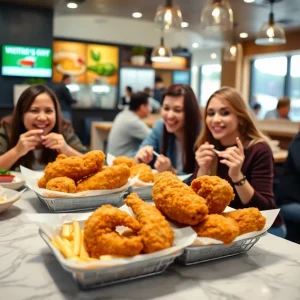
(28, 270)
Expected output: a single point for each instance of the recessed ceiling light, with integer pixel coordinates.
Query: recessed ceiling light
(72, 5)
(249, 1)
(195, 45)
(213, 56)
(184, 24)
(243, 35)
(137, 15)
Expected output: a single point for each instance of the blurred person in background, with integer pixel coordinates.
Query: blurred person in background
(129, 129)
(36, 133)
(155, 105)
(244, 159)
(126, 99)
(159, 89)
(256, 109)
(282, 110)
(64, 96)
(174, 136)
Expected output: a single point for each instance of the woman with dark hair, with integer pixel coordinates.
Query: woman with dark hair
(36, 133)
(174, 136)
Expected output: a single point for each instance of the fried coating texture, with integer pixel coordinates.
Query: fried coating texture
(248, 219)
(218, 227)
(124, 160)
(178, 201)
(76, 167)
(100, 237)
(216, 191)
(144, 171)
(42, 182)
(61, 184)
(61, 156)
(110, 178)
(155, 231)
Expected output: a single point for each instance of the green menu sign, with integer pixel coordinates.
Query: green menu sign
(26, 61)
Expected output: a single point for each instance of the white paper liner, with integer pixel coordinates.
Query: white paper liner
(51, 224)
(31, 178)
(139, 183)
(270, 216)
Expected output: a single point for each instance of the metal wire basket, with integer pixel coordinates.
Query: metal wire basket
(144, 192)
(60, 205)
(200, 254)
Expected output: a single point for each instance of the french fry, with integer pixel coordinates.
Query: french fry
(109, 257)
(76, 238)
(63, 246)
(83, 252)
(66, 232)
(68, 243)
(55, 245)
(84, 259)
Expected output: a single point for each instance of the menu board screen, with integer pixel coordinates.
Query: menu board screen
(26, 61)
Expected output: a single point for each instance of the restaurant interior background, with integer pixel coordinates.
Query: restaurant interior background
(96, 42)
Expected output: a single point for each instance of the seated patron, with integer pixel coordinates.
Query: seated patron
(36, 132)
(174, 136)
(244, 159)
(128, 128)
(282, 110)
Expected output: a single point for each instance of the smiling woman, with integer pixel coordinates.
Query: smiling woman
(36, 132)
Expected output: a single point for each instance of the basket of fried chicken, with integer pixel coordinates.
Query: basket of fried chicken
(113, 244)
(79, 182)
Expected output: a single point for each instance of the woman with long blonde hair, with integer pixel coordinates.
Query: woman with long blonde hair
(231, 147)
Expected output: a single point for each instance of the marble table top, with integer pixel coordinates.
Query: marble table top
(28, 270)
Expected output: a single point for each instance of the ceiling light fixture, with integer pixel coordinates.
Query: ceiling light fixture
(161, 53)
(231, 50)
(249, 1)
(270, 33)
(243, 35)
(184, 24)
(213, 56)
(168, 16)
(216, 15)
(137, 15)
(195, 45)
(72, 5)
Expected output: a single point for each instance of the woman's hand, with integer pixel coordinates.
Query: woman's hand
(163, 164)
(204, 157)
(233, 157)
(144, 155)
(56, 142)
(28, 141)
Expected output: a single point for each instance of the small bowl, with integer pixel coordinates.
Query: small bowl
(12, 195)
(6, 178)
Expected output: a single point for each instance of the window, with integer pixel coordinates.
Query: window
(268, 82)
(294, 88)
(210, 81)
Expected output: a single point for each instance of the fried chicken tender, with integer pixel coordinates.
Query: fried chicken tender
(144, 171)
(100, 237)
(61, 156)
(110, 178)
(248, 219)
(42, 182)
(124, 160)
(178, 201)
(218, 227)
(76, 167)
(155, 231)
(61, 184)
(216, 191)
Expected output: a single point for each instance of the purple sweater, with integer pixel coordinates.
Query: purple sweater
(258, 168)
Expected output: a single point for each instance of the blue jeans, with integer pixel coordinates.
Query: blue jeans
(291, 212)
(278, 231)
(67, 115)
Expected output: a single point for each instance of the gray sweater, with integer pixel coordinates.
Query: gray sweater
(126, 134)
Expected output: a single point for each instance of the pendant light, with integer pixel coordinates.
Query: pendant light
(270, 33)
(161, 53)
(217, 15)
(231, 50)
(168, 16)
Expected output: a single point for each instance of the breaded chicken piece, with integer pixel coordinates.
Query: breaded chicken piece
(42, 182)
(100, 237)
(76, 167)
(61, 184)
(178, 201)
(124, 160)
(61, 156)
(144, 171)
(218, 227)
(216, 191)
(110, 178)
(155, 231)
(248, 219)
